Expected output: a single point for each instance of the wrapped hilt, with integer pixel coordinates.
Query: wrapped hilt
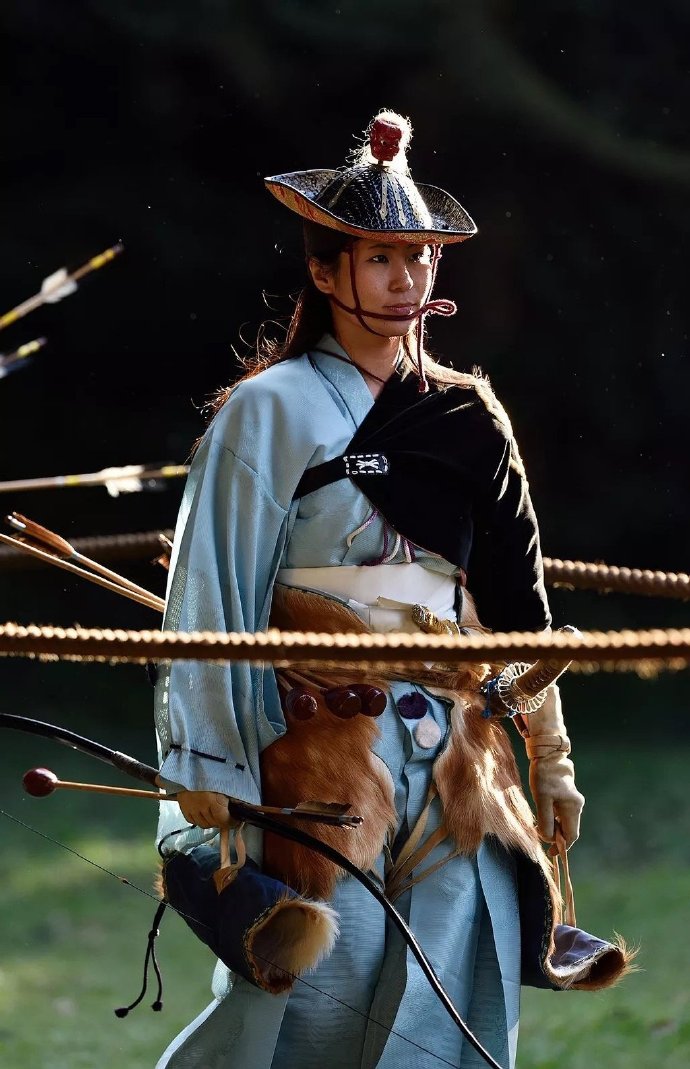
(521, 688)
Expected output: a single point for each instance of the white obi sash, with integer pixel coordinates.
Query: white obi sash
(382, 595)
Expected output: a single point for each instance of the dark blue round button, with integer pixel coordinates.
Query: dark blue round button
(413, 706)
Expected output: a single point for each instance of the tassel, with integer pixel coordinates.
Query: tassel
(122, 1011)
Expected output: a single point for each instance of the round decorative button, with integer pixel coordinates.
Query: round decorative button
(427, 733)
(300, 704)
(344, 702)
(413, 706)
(373, 698)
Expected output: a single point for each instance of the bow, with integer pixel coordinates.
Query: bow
(257, 816)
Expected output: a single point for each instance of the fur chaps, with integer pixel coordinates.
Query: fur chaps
(328, 759)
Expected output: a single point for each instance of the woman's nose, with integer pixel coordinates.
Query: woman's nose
(402, 279)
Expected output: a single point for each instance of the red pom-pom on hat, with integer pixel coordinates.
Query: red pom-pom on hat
(384, 140)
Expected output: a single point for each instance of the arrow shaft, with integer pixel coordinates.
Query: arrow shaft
(102, 788)
(150, 600)
(120, 580)
(97, 478)
(21, 310)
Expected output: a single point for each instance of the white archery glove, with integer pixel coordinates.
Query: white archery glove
(551, 772)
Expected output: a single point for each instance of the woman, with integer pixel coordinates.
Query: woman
(348, 482)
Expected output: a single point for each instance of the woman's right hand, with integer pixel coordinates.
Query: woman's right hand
(205, 809)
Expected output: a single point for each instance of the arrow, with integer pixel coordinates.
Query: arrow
(12, 361)
(60, 284)
(128, 480)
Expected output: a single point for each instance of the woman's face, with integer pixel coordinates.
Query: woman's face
(390, 278)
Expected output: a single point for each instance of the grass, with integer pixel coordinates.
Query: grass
(73, 938)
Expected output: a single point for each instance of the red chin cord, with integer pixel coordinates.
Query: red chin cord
(439, 307)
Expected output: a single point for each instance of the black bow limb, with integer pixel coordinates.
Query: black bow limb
(122, 761)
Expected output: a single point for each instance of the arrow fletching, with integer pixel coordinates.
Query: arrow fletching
(125, 480)
(58, 285)
(40, 534)
(333, 809)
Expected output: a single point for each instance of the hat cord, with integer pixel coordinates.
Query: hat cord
(438, 307)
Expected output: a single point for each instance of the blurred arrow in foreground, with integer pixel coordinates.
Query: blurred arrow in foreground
(128, 480)
(10, 362)
(60, 284)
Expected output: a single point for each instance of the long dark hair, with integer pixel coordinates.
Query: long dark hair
(312, 318)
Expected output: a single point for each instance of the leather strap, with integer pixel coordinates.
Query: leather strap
(228, 869)
(546, 745)
(560, 861)
(399, 876)
(331, 471)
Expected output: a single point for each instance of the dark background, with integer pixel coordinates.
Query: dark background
(561, 126)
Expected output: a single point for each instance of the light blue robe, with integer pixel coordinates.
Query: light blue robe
(368, 1005)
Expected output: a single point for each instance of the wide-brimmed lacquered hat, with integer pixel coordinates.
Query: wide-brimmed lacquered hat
(376, 196)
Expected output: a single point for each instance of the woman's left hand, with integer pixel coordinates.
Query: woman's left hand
(552, 782)
(551, 772)
(205, 809)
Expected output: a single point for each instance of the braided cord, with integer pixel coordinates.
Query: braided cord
(284, 648)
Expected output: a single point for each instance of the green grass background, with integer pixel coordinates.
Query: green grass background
(73, 938)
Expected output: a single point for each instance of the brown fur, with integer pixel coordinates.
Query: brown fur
(479, 783)
(291, 939)
(331, 760)
(293, 609)
(328, 760)
(324, 759)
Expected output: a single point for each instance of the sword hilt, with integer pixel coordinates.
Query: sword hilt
(521, 688)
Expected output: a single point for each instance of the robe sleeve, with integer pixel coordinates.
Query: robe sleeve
(505, 572)
(214, 720)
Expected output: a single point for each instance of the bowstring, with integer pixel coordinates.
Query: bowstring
(142, 890)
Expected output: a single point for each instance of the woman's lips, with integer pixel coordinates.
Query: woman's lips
(400, 309)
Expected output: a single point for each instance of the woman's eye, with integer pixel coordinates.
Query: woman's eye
(380, 258)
